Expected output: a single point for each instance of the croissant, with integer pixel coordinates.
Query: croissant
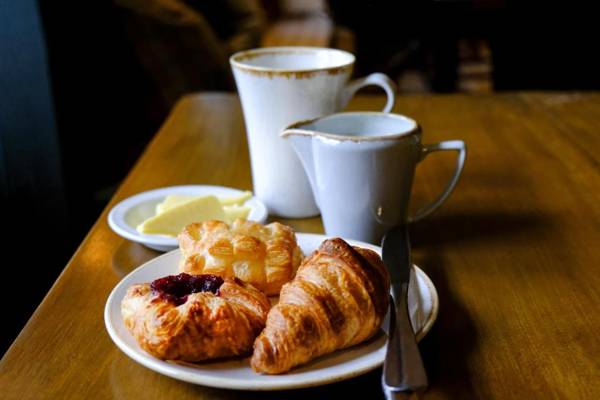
(265, 256)
(338, 298)
(194, 318)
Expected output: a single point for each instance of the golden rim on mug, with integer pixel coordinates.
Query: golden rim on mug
(237, 61)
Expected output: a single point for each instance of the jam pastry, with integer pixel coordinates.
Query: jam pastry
(338, 298)
(194, 318)
(264, 256)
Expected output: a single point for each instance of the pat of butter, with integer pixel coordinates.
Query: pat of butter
(234, 212)
(237, 200)
(174, 200)
(171, 221)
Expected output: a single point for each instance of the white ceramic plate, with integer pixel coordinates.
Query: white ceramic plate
(128, 214)
(237, 374)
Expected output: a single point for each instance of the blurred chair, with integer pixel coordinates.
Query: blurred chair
(184, 45)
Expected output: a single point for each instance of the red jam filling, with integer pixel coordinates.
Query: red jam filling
(176, 288)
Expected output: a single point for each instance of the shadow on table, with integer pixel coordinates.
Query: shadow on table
(475, 228)
(447, 348)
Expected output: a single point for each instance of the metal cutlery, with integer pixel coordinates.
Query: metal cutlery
(403, 370)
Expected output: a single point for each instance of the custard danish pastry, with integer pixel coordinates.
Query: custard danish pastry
(266, 256)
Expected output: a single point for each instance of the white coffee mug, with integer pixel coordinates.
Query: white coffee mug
(361, 167)
(281, 85)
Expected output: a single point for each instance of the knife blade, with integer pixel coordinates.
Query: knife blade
(403, 368)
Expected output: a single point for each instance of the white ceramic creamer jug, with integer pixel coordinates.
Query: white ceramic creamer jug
(361, 167)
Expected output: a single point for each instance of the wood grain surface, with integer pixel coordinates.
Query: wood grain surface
(513, 254)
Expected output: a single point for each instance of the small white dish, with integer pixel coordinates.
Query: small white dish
(237, 373)
(129, 213)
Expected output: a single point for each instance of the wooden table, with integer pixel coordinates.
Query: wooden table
(514, 256)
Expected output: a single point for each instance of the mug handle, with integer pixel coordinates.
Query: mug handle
(452, 145)
(376, 79)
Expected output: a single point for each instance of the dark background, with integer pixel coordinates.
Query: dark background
(85, 85)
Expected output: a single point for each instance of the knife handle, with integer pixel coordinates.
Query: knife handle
(403, 369)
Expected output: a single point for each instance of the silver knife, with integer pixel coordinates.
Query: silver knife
(403, 370)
